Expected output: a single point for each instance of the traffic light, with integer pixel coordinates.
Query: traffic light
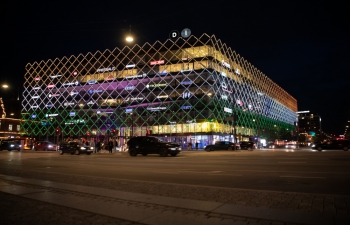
(114, 131)
(57, 130)
(149, 132)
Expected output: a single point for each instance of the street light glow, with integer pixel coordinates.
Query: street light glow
(129, 39)
(5, 86)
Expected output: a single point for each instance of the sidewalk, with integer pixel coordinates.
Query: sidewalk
(148, 209)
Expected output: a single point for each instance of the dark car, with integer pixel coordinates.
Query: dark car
(44, 146)
(152, 145)
(9, 145)
(247, 145)
(332, 144)
(222, 145)
(74, 148)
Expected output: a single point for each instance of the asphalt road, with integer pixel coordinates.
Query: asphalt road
(301, 170)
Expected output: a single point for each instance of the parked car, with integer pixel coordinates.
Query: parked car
(152, 145)
(74, 148)
(332, 144)
(247, 145)
(222, 145)
(9, 145)
(44, 146)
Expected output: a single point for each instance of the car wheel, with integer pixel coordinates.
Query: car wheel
(60, 152)
(163, 152)
(319, 148)
(76, 152)
(132, 152)
(208, 149)
(144, 154)
(346, 148)
(229, 148)
(173, 154)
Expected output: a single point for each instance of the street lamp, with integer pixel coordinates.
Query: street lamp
(129, 38)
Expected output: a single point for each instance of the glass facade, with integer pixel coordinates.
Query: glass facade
(194, 89)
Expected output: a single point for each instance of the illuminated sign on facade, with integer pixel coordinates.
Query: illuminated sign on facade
(239, 102)
(223, 74)
(162, 96)
(69, 103)
(36, 88)
(128, 110)
(224, 97)
(49, 105)
(136, 76)
(130, 66)
(72, 113)
(92, 81)
(156, 108)
(187, 82)
(71, 83)
(51, 115)
(227, 110)
(129, 88)
(35, 96)
(50, 86)
(186, 94)
(101, 70)
(73, 93)
(37, 78)
(156, 85)
(55, 76)
(34, 106)
(53, 95)
(237, 71)
(185, 107)
(94, 91)
(225, 64)
(157, 62)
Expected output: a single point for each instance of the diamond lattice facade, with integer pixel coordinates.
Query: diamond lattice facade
(183, 90)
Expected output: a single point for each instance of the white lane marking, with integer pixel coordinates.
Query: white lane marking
(235, 175)
(305, 177)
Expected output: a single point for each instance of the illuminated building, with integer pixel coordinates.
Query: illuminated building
(183, 90)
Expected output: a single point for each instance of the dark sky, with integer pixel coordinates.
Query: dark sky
(304, 46)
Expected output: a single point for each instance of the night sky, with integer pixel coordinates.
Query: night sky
(303, 46)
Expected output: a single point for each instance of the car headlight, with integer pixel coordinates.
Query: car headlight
(313, 145)
(82, 148)
(12, 145)
(50, 146)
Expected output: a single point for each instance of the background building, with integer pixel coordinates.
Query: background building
(183, 90)
(310, 128)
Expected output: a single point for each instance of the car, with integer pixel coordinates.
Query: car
(332, 144)
(152, 145)
(9, 145)
(222, 145)
(247, 145)
(44, 146)
(74, 147)
(290, 146)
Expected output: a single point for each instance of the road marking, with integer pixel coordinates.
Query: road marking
(291, 162)
(235, 175)
(305, 177)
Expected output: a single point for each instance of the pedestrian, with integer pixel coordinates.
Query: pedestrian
(110, 146)
(98, 145)
(196, 145)
(189, 145)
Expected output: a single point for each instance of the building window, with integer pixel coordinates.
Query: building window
(18, 127)
(10, 127)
